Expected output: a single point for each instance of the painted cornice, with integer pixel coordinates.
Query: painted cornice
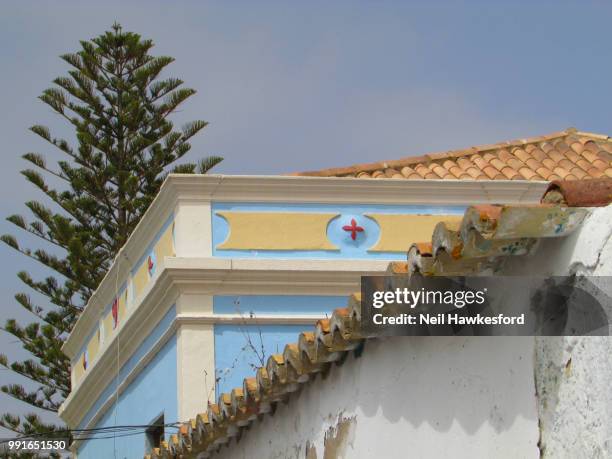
(240, 276)
(287, 189)
(208, 276)
(341, 190)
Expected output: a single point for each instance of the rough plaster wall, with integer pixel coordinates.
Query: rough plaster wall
(409, 397)
(574, 375)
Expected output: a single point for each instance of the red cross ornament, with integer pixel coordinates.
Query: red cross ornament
(353, 228)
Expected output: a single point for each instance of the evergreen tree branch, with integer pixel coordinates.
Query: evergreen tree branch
(124, 143)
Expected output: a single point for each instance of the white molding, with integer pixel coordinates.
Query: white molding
(211, 276)
(192, 188)
(249, 276)
(342, 190)
(261, 319)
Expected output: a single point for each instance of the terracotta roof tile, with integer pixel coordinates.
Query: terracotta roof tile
(585, 193)
(456, 171)
(474, 172)
(486, 236)
(397, 267)
(447, 164)
(578, 172)
(479, 161)
(601, 165)
(561, 172)
(509, 172)
(527, 173)
(548, 157)
(493, 173)
(566, 164)
(521, 154)
(538, 154)
(590, 155)
(544, 172)
(409, 173)
(439, 170)
(555, 155)
(549, 163)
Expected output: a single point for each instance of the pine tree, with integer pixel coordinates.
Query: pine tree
(125, 145)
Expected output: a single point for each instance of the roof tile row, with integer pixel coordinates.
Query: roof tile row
(565, 155)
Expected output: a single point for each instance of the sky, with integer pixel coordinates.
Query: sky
(289, 86)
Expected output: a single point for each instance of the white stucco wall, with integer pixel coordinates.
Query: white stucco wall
(409, 397)
(574, 375)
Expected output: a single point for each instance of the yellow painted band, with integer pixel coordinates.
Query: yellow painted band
(140, 278)
(92, 348)
(121, 306)
(78, 369)
(108, 325)
(398, 232)
(165, 246)
(276, 231)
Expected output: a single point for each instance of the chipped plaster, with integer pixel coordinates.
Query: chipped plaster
(409, 396)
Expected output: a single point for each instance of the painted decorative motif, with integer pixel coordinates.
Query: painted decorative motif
(353, 234)
(353, 228)
(151, 264)
(115, 312)
(147, 266)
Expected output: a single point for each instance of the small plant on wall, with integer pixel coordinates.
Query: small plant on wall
(252, 350)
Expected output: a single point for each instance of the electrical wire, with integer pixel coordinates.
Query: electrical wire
(118, 369)
(135, 429)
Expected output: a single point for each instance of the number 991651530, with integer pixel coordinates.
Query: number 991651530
(37, 445)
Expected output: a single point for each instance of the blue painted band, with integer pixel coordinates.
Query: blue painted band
(277, 304)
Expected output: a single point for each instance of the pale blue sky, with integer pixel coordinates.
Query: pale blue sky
(304, 85)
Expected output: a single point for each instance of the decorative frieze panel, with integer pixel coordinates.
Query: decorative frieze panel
(128, 290)
(311, 231)
(277, 231)
(396, 229)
